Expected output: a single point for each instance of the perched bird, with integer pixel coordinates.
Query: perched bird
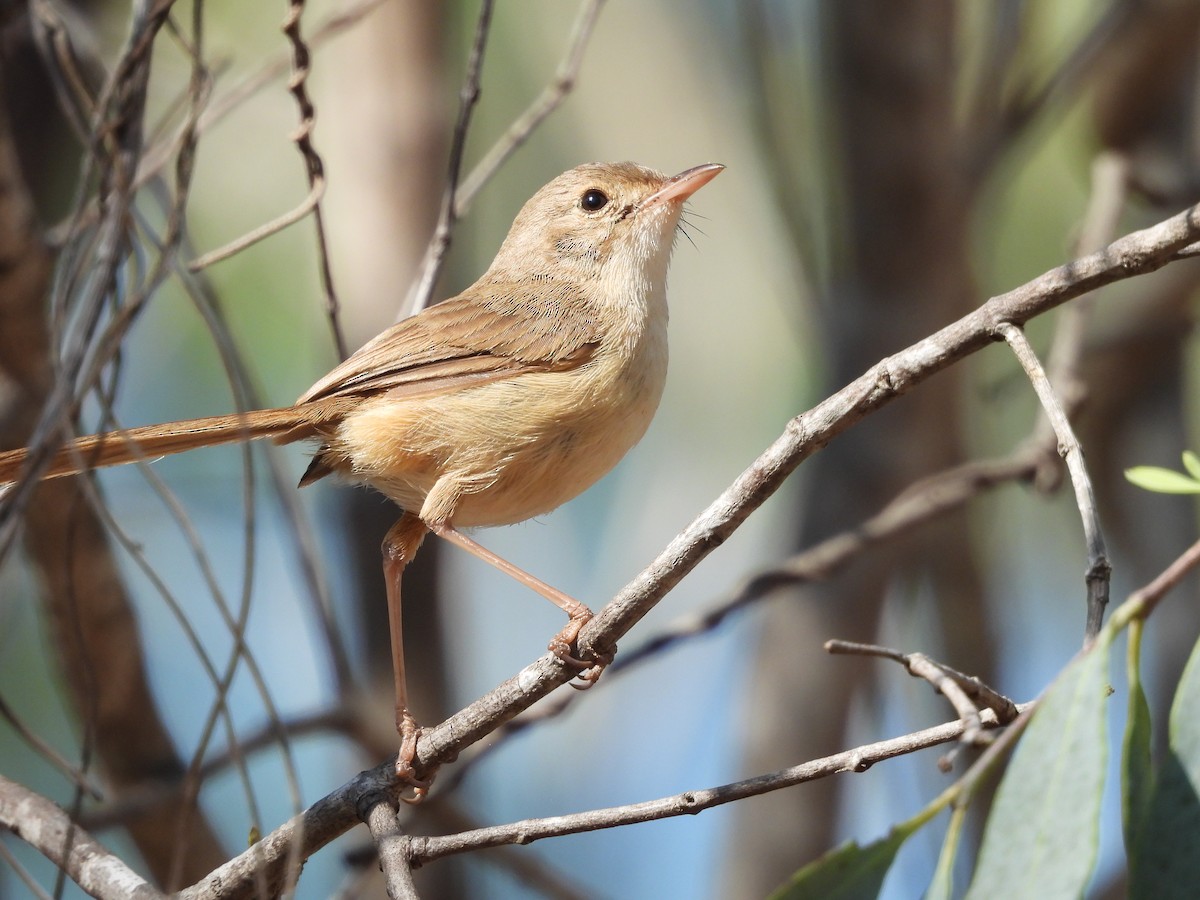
(491, 407)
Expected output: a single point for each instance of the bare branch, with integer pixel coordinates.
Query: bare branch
(1099, 569)
(1136, 253)
(47, 828)
(961, 690)
(291, 217)
(549, 100)
(1139, 252)
(435, 254)
(690, 803)
(298, 85)
(393, 846)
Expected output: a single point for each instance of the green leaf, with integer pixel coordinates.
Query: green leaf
(1191, 462)
(850, 872)
(1164, 863)
(941, 887)
(1041, 838)
(1162, 481)
(1137, 775)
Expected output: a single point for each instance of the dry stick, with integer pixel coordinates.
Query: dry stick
(47, 828)
(538, 873)
(115, 146)
(157, 156)
(961, 690)
(1099, 569)
(316, 179)
(117, 120)
(1110, 178)
(860, 759)
(291, 217)
(919, 666)
(328, 28)
(921, 502)
(393, 846)
(1135, 254)
(298, 85)
(435, 253)
(549, 100)
(335, 813)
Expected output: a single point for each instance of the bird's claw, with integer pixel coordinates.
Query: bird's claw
(406, 774)
(589, 671)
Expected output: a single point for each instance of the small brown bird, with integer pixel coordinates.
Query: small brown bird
(492, 407)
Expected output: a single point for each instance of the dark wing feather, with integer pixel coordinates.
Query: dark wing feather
(489, 332)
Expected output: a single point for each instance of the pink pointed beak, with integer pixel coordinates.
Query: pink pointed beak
(684, 184)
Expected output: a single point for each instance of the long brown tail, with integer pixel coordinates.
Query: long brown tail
(115, 448)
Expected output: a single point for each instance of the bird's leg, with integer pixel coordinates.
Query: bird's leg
(399, 547)
(579, 614)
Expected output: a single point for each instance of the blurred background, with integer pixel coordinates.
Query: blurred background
(890, 165)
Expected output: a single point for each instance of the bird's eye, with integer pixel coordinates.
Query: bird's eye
(593, 200)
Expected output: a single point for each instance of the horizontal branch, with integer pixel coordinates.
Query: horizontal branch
(860, 759)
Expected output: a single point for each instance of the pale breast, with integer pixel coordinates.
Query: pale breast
(507, 451)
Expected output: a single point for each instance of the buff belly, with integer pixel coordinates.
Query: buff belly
(498, 453)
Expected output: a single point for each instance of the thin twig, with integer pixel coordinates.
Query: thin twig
(921, 502)
(291, 217)
(1099, 569)
(116, 148)
(960, 690)
(435, 253)
(336, 813)
(549, 100)
(52, 37)
(23, 874)
(315, 168)
(858, 760)
(1110, 181)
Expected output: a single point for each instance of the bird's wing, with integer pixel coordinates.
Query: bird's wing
(490, 332)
